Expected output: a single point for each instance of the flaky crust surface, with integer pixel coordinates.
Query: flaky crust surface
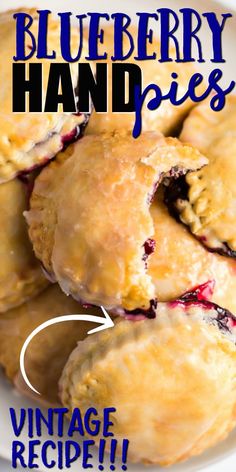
(167, 118)
(29, 139)
(89, 216)
(21, 276)
(48, 352)
(165, 374)
(210, 210)
(180, 262)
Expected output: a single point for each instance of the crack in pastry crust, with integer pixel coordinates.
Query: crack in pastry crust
(90, 215)
(30, 139)
(171, 367)
(206, 202)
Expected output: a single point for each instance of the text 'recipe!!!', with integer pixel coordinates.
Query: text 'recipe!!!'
(93, 78)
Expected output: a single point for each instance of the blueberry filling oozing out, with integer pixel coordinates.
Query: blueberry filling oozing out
(66, 139)
(24, 175)
(175, 190)
(149, 248)
(197, 297)
(178, 190)
(220, 317)
(149, 313)
(71, 137)
(200, 292)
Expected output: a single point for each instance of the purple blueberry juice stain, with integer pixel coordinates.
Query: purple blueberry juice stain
(151, 195)
(149, 248)
(198, 297)
(200, 292)
(66, 139)
(70, 137)
(223, 251)
(34, 167)
(140, 312)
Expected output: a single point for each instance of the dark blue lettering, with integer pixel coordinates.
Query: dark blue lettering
(66, 36)
(106, 422)
(217, 30)
(87, 421)
(17, 428)
(72, 453)
(167, 34)
(76, 423)
(32, 454)
(18, 449)
(86, 454)
(42, 36)
(23, 28)
(190, 33)
(121, 28)
(95, 35)
(44, 453)
(145, 34)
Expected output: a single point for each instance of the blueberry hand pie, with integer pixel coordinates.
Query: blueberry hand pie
(21, 275)
(90, 221)
(180, 262)
(30, 139)
(172, 380)
(49, 350)
(167, 118)
(206, 199)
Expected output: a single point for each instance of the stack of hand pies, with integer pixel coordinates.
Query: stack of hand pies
(145, 228)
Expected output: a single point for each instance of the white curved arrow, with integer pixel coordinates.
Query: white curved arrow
(105, 323)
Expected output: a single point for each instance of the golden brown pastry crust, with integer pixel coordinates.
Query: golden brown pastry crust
(180, 262)
(50, 349)
(172, 381)
(89, 216)
(29, 139)
(210, 210)
(21, 276)
(167, 118)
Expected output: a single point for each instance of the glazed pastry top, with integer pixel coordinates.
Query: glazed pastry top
(90, 219)
(172, 368)
(94, 221)
(28, 139)
(210, 208)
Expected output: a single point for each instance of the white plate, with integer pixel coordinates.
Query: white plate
(10, 398)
